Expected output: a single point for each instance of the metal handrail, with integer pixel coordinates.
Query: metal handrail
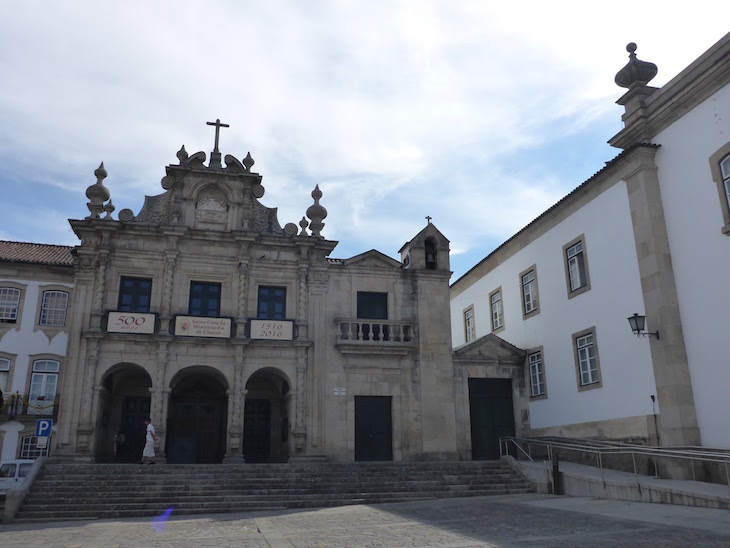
(704, 455)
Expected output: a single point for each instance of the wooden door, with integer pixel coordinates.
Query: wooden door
(134, 412)
(492, 416)
(373, 428)
(256, 430)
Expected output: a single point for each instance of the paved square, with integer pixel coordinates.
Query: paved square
(517, 520)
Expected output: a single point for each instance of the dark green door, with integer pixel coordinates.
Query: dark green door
(373, 428)
(492, 416)
(134, 412)
(256, 430)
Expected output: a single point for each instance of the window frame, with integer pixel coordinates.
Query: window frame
(208, 285)
(6, 325)
(274, 300)
(530, 353)
(134, 307)
(598, 383)
(11, 369)
(536, 310)
(496, 329)
(29, 448)
(566, 263)
(32, 360)
(723, 183)
(357, 305)
(469, 330)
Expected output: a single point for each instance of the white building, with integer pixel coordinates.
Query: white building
(648, 234)
(36, 282)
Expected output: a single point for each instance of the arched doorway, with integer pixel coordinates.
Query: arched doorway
(196, 418)
(266, 425)
(124, 403)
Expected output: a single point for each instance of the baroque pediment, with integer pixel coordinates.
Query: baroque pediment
(372, 259)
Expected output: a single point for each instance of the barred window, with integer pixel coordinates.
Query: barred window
(53, 310)
(29, 448)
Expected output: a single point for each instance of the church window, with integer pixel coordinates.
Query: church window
(588, 367)
(271, 303)
(530, 302)
(576, 267)
(53, 308)
(205, 299)
(9, 304)
(469, 327)
(495, 304)
(537, 374)
(134, 294)
(372, 305)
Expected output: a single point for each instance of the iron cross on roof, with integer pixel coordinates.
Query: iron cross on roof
(218, 127)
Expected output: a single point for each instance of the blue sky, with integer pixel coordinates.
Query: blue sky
(479, 114)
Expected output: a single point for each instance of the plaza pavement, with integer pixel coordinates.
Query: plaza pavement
(510, 520)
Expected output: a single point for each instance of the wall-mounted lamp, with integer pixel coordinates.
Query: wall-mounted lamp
(638, 323)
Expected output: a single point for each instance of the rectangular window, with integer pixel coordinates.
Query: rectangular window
(537, 374)
(29, 450)
(205, 299)
(9, 304)
(588, 367)
(4, 375)
(576, 267)
(469, 327)
(372, 305)
(530, 302)
(272, 303)
(725, 169)
(495, 302)
(53, 309)
(135, 294)
(43, 387)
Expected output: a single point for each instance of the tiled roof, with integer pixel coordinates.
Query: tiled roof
(23, 252)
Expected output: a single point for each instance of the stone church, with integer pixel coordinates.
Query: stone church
(246, 341)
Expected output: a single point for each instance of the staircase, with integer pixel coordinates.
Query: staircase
(73, 491)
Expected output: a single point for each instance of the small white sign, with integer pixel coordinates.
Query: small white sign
(196, 326)
(41, 442)
(130, 322)
(272, 330)
(340, 391)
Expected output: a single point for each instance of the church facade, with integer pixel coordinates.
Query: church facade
(246, 341)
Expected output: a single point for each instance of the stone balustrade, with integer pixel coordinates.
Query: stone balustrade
(375, 332)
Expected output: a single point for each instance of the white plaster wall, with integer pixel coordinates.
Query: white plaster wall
(700, 255)
(26, 342)
(626, 369)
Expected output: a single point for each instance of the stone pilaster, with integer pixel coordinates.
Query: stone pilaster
(677, 419)
(170, 260)
(97, 310)
(242, 300)
(300, 429)
(236, 400)
(85, 428)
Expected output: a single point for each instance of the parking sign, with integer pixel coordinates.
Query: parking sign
(43, 427)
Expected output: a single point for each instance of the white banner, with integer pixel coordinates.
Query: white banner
(196, 326)
(273, 330)
(130, 322)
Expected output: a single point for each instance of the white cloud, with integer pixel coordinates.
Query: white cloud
(381, 103)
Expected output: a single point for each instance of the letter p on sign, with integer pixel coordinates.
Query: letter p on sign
(43, 427)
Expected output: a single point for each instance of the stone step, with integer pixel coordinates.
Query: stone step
(94, 499)
(119, 490)
(155, 509)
